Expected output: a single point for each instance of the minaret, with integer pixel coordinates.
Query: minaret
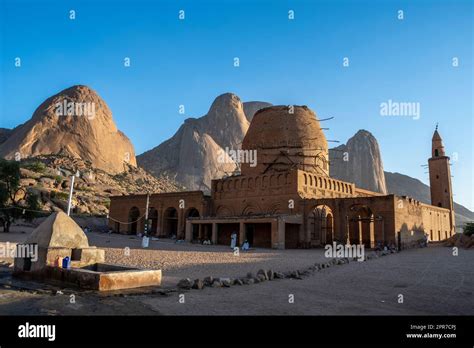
(440, 176)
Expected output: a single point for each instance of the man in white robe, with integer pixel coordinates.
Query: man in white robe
(233, 240)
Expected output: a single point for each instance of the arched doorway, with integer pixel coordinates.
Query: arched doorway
(196, 234)
(329, 228)
(361, 225)
(192, 212)
(321, 225)
(152, 221)
(133, 216)
(170, 222)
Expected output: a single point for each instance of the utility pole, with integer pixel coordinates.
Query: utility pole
(146, 212)
(71, 189)
(145, 240)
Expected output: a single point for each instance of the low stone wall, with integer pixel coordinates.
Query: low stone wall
(265, 275)
(110, 277)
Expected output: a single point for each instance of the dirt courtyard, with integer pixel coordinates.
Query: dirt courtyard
(427, 281)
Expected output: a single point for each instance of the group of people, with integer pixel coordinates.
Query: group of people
(233, 242)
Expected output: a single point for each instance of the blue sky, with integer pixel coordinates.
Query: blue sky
(282, 61)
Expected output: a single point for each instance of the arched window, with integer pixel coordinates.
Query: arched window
(436, 153)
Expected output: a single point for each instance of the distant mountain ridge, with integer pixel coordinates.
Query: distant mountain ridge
(405, 185)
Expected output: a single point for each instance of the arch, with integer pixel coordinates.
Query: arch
(192, 212)
(152, 221)
(170, 222)
(251, 210)
(321, 225)
(275, 209)
(305, 179)
(310, 180)
(338, 187)
(133, 217)
(264, 181)
(361, 225)
(325, 183)
(320, 182)
(329, 228)
(224, 211)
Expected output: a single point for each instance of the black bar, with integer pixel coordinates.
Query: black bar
(330, 330)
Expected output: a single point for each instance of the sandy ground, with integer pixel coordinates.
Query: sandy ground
(185, 260)
(431, 280)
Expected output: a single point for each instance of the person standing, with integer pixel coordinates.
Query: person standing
(233, 240)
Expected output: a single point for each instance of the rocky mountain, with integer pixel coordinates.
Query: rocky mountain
(4, 134)
(359, 161)
(250, 108)
(194, 155)
(405, 185)
(49, 178)
(76, 122)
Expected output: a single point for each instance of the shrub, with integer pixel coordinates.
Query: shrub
(38, 167)
(59, 195)
(469, 228)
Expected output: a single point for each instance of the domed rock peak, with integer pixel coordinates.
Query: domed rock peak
(360, 162)
(76, 122)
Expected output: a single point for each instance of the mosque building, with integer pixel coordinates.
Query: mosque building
(287, 199)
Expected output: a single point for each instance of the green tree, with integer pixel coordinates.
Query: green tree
(33, 206)
(10, 190)
(469, 228)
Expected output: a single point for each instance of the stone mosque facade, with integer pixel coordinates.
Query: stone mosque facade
(289, 200)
